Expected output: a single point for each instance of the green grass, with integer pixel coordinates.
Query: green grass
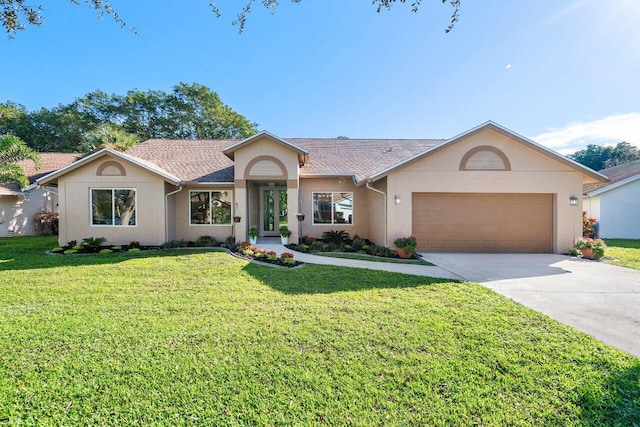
(365, 257)
(625, 252)
(203, 338)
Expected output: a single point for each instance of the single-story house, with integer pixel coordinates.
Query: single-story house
(485, 190)
(616, 203)
(18, 207)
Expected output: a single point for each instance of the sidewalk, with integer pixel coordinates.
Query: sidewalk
(413, 269)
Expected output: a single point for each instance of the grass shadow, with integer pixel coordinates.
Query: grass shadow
(326, 279)
(617, 403)
(624, 243)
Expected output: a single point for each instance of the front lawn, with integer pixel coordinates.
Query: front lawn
(203, 338)
(625, 252)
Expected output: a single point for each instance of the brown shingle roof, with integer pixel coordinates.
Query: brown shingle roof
(203, 160)
(615, 174)
(50, 163)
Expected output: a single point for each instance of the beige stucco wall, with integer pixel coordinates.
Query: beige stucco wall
(75, 213)
(361, 212)
(254, 166)
(181, 221)
(16, 212)
(532, 172)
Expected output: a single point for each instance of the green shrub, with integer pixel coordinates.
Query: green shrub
(316, 246)
(378, 250)
(206, 241)
(134, 250)
(365, 248)
(72, 243)
(78, 248)
(172, 244)
(57, 249)
(106, 251)
(301, 248)
(329, 247)
(116, 248)
(357, 245)
(347, 248)
(94, 242)
(337, 237)
(70, 251)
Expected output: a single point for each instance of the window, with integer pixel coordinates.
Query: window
(113, 206)
(210, 207)
(333, 208)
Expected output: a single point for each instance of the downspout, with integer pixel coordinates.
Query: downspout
(166, 212)
(368, 185)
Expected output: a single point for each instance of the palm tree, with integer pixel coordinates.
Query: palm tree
(13, 150)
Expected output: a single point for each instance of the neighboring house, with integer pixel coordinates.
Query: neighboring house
(486, 190)
(615, 204)
(18, 207)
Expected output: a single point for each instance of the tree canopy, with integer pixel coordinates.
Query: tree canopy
(599, 157)
(189, 111)
(17, 15)
(13, 150)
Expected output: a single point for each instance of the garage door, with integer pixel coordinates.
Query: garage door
(464, 222)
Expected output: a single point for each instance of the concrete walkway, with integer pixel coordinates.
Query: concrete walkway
(599, 299)
(414, 269)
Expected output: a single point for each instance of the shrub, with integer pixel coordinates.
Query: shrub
(171, 244)
(301, 248)
(347, 248)
(134, 244)
(316, 246)
(329, 247)
(134, 250)
(116, 248)
(378, 250)
(70, 251)
(206, 241)
(78, 248)
(596, 245)
(337, 237)
(308, 240)
(365, 248)
(94, 242)
(284, 231)
(57, 249)
(357, 245)
(260, 253)
(106, 251)
(272, 255)
(72, 243)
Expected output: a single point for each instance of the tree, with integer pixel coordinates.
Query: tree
(13, 150)
(599, 157)
(189, 111)
(110, 136)
(15, 15)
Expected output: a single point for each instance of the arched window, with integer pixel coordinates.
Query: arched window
(485, 158)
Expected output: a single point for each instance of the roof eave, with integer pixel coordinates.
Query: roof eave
(53, 176)
(612, 186)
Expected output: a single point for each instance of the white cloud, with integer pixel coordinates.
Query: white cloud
(508, 66)
(607, 131)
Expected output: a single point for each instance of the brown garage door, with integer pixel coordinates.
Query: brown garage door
(464, 222)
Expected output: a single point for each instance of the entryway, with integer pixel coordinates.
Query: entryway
(273, 210)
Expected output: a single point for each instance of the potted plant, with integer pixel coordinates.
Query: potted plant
(237, 218)
(406, 246)
(253, 234)
(300, 216)
(590, 248)
(284, 234)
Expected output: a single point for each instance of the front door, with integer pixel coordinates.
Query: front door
(273, 210)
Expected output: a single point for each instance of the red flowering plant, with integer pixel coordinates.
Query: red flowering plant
(287, 258)
(588, 225)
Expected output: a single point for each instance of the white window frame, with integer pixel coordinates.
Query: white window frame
(333, 221)
(211, 191)
(113, 208)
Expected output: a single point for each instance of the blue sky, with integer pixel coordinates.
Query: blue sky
(565, 73)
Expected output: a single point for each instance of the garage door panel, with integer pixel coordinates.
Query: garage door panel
(466, 222)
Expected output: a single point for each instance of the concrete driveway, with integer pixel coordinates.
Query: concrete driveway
(599, 299)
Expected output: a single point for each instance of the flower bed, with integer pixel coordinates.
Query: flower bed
(253, 253)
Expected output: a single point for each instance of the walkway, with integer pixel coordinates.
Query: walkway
(413, 269)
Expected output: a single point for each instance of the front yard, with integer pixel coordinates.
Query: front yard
(197, 337)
